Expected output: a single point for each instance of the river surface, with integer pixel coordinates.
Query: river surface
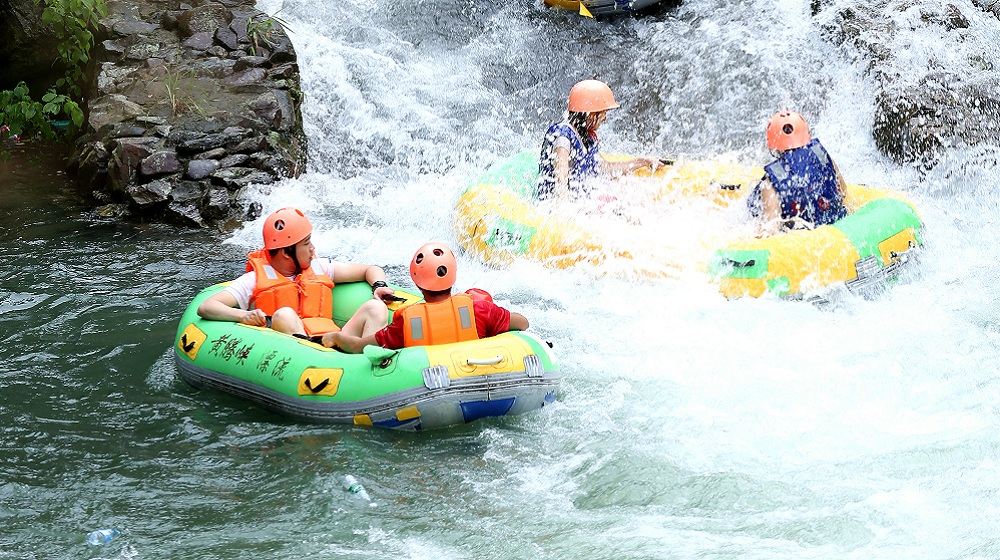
(687, 426)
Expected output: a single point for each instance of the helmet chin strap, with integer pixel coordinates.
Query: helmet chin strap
(295, 258)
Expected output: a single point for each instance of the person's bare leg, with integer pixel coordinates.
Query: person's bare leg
(287, 321)
(369, 318)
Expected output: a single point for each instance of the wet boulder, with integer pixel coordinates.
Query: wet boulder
(203, 19)
(151, 193)
(161, 162)
(126, 157)
(201, 168)
(920, 109)
(112, 109)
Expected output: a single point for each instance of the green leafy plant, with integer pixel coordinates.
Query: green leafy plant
(73, 22)
(259, 29)
(57, 103)
(20, 113)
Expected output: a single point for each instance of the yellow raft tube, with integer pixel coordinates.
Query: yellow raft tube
(498, 220)
(599, 8)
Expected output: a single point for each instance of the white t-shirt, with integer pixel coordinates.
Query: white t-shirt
(242, 288)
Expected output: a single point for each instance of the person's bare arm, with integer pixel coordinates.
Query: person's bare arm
(518, 322)
(619, 168)
(223, 306)
(841, 183)
(561, 169)
(770, 210)
(353, 272)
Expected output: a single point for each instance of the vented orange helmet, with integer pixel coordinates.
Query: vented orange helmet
(285, 228)
(591, 96)
(787, 130)
(434, 267)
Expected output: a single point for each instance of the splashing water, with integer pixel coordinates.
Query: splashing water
(687, 425)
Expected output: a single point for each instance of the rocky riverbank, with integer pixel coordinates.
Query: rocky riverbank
(924, 104)
(187, 104)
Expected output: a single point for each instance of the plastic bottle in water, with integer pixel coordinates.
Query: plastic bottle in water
(102, 536)
(352, 485)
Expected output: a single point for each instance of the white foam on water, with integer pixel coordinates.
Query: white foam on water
(688, 425)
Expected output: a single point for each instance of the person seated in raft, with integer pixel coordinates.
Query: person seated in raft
(443, 318)
(289, 289)
(802, 187)
(571, 152)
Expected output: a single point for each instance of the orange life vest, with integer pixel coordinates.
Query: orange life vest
(310, 295)
(444, 322)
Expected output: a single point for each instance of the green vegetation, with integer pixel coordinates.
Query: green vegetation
(73, 23)
(259, 30)
(24, 116)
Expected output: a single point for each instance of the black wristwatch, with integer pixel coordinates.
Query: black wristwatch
(379, 284)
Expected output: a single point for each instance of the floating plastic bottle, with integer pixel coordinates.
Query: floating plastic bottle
(102, 536)
(352, 485)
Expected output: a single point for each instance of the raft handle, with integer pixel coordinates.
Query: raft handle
(485, 361)
(895, 257)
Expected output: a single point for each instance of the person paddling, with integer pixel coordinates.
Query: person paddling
(802, 187)
(287, 288)
(443, 318)
(570, 153)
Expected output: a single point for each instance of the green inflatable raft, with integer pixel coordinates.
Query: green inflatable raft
(411, 389)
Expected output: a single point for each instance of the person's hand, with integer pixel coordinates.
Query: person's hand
(254, 318)
(332, 340)
(382, 292)
(800, 223)
(639, 163)
(603, 200)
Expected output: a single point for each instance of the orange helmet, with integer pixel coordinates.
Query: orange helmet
(434, 268)
(787, 130)
(591, 96)
(285, 228)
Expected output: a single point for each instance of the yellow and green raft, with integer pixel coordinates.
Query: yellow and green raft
(864, 250)
(599, 8)
(411, 389)
(498, 219)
